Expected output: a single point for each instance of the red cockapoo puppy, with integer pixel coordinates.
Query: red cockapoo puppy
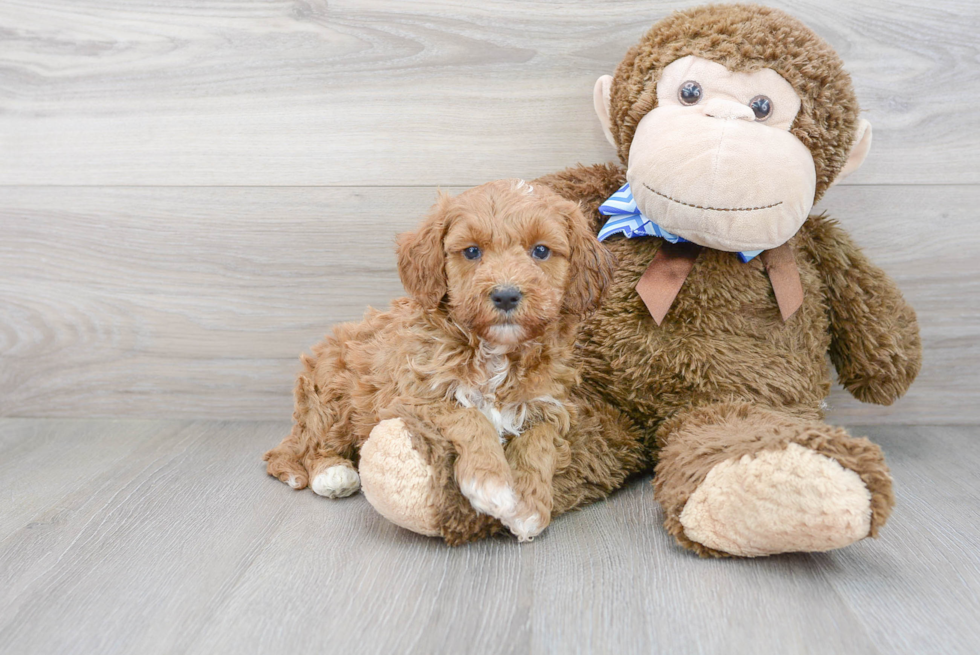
(481, 352)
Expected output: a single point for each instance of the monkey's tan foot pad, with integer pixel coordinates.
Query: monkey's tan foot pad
(778, 501)
(396, 480)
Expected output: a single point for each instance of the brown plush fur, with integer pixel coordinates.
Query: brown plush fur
(724, 376)
(415, 360)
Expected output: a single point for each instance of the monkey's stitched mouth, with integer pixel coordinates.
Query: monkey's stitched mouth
(714, 209)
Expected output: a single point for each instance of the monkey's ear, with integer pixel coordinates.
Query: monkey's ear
(590, 264)
(421, 258)
(862, 144)
(600, 99)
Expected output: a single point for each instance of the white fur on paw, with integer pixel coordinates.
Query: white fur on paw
(336, 482)
(293, 482)
(497, 500)
(526, 529)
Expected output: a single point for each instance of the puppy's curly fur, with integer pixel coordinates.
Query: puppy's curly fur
(478, 374)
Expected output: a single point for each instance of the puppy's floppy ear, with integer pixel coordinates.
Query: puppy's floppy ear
(421, 258)
(590, 264)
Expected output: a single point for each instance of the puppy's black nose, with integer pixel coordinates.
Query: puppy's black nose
(505, 298)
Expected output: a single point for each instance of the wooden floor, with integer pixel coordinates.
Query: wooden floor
(167, 537)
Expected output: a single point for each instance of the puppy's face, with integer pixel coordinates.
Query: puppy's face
(507, 260)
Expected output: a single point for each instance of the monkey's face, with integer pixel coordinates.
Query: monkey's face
(732, 120)
(715, 162)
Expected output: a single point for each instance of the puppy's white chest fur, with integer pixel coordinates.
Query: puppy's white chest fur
(506, 418)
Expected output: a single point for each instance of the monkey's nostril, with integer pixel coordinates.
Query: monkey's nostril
(505, 298)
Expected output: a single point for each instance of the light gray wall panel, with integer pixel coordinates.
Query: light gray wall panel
(195, 302)
(242, 92)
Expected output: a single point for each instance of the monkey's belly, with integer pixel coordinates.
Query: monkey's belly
(723, 339)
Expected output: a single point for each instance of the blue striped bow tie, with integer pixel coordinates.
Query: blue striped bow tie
(625, 217)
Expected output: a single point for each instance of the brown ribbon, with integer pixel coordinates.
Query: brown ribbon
(664, 277)
(785, 279)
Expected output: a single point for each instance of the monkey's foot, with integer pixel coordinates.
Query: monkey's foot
(735, 479)
(776, 502)
(396, 480)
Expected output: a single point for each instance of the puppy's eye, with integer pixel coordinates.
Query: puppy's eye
(761, 107)
(689, 93)
(541, 252)
(472, 252)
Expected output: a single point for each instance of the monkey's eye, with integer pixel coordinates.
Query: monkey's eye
(689, 93)
(761, 107)
(472, 252)
(541, 252)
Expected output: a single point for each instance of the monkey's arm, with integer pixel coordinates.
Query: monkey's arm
(589, 185)
(875, 343)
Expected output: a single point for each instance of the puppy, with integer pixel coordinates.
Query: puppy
(499, 277)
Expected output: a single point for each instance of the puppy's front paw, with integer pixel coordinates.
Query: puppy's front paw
(490, 497)
(527, 527)
(336, 482)
(533, 512)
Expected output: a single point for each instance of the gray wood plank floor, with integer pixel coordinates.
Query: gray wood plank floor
(167, 537)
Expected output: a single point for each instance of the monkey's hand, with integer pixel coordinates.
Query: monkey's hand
(875, 344)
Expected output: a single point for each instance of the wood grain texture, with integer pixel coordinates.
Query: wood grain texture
(933, 540)
(196, 302)
(373, 92)
(177, 542)
(181, 302)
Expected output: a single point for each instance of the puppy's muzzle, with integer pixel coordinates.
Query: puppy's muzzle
(506, 299)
